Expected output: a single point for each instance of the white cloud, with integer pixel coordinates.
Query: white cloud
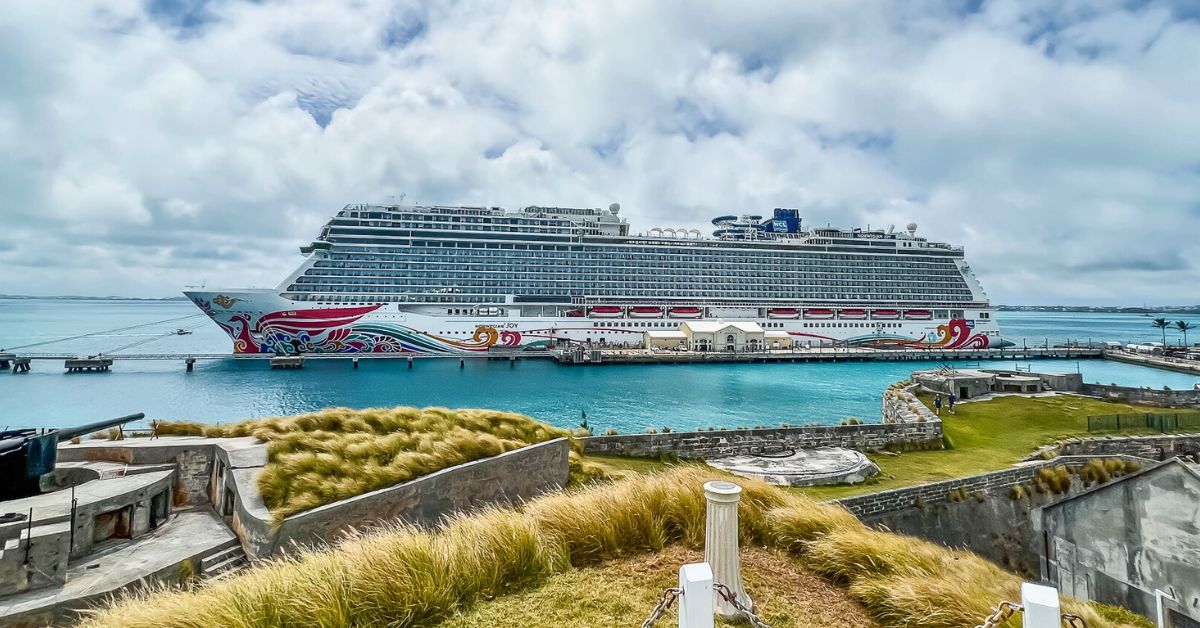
(1058, 142)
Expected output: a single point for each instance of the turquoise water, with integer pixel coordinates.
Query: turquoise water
(628, 398)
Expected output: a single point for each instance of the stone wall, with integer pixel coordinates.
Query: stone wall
(988, 521)
(1151, 447)
(720, 443)
(193, 457)
(900, 405)
(1120, 542)
(510, 477)
(1144, 396)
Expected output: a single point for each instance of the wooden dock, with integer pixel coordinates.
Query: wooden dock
(88, 365)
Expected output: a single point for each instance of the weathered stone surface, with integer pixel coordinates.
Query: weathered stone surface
(1119, 542)
(803, 467)
(1144, 396)
(1160, 447)
(988, 521)
(724, 443)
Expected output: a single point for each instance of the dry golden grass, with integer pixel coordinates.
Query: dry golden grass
(322, 457)
(407, 577)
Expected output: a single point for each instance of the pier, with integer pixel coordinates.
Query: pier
(594, 356)
(1178, 365)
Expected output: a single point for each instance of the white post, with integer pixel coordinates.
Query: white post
(695, 596)
(1040, 606)
(721, 542)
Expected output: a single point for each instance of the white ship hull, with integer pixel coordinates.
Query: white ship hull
(261, 321)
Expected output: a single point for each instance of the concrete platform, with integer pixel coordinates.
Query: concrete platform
(188, 536)
(802, 467)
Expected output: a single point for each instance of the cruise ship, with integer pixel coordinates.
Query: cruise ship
(452, 280)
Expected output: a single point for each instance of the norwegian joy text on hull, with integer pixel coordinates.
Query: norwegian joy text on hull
(416, 279)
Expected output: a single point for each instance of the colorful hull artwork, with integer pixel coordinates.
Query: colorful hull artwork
(376, 329)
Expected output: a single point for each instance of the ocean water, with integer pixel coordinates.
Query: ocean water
(628, 398)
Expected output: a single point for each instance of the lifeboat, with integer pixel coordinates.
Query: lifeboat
(605, 311)
(885, 314)
(645, 311)
(783, 312)
(918, 315)
(685, 312)
(574, 313)
(818, 313)
(852, 313)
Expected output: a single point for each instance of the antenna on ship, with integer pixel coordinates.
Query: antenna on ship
(203, 282)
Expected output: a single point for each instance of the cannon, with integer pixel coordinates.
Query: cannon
(28, 454)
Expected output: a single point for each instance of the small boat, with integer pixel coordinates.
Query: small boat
(885, 314)
(783, 312)
(818, 313)
(918, 315)
(183, 332)
(605, 311)
(575, 313)
(645, 311)
(685, 312)
(852, 313)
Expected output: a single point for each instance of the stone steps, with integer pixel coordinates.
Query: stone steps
(223, 562)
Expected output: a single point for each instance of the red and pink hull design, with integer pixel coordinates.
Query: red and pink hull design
(260, 321)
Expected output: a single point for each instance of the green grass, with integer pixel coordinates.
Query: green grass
(410, 577)
(323, 457)
(986, 436)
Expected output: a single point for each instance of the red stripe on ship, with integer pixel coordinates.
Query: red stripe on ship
(315, 319)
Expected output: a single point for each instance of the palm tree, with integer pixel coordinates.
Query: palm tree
(1162, 324)
(1184, 327)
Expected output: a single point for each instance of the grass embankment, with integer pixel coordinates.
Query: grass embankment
(319, 458)
(621, 592)
(409, 577)
(987, 436)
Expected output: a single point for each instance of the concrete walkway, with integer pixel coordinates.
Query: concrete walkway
(158, 556)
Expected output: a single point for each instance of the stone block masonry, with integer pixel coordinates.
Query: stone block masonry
(1144, 396)
(989, 520)
(1151, 447)
(721, 443)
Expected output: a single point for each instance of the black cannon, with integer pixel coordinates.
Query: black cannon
(28, 454)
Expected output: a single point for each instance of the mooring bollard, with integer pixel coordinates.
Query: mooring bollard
(1040, 604)
(721, 543)
(695, 596)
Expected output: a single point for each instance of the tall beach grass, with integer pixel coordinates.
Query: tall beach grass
(407, 577)
(322, 457)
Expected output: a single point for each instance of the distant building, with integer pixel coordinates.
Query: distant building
(723, 336)
(970, 383)
(1120, 542)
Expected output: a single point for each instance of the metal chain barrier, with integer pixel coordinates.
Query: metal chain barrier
(1000, 614)
(664, 602)
(1074, 621)
(729, 597)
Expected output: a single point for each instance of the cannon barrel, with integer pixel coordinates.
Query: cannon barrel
(68, 433)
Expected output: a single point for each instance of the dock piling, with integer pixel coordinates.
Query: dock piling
(355, 362)
(462, 363)
(410, 361)
(20, 365)
(189, 364)
(287, 362)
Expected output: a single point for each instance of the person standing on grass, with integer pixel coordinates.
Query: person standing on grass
(951, 399)
(937, 404)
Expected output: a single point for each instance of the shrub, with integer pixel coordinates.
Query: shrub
(666, 429)
(957, 495)
(650, 430)
(1017, 492)
(611, 432)
(1055, 480)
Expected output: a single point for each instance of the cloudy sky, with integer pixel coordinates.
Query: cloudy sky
(147, 145)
